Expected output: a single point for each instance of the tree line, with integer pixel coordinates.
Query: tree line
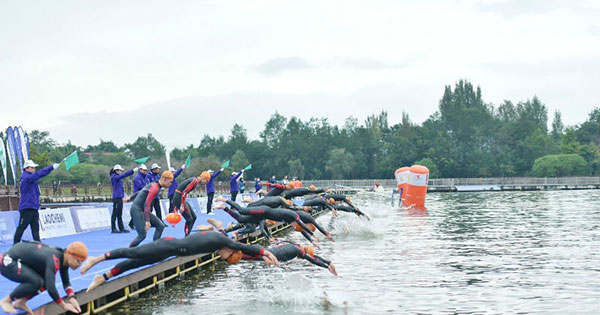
(465, 137)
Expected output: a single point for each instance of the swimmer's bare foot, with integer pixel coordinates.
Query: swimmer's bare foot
(21, 304)
(216, 223)
(7, 306)
(204, 227)
(220, 198)
(90, 262)
(98, 281)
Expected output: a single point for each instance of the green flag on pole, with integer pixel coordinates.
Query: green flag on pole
(224, 165)
(188, 161)
(142, 160)
(249, 167)
(71, 160)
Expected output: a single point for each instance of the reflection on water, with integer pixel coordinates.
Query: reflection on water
(489, 252)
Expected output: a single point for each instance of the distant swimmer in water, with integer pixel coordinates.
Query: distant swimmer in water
(257, 214)
(286, 251)
(196, 243)
(348, 207)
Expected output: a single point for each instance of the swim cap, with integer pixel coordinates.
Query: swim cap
(270, 222)
(312, 187)
(77, 250)
(309, 250)
(311, 226)
(289, 202)
(298, 228)
(348, 199)
(205, 175)
(167, 175)
(289, 186)
(331, 201)
(235, 257)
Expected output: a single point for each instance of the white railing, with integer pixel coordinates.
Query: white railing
(452, 182)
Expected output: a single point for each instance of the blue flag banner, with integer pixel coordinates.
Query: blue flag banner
(3, 159)
(24, 147)
(12, 154)
(18, 150)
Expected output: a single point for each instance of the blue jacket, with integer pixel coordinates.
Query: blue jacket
(210, 186)
(117, 183)
(173, 186)
(139, 182)
(30, 191)
(233, 183)
(257, 185)
(151, 177)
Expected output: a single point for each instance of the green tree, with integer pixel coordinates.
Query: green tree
(560, 165)
(296, 168)
(146, 146)
(340, 164)
(434, 172)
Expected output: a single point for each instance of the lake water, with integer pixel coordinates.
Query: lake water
(469, 253)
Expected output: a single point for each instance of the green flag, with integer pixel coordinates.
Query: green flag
(71, 160)
(249, 167)
(224, 165)
(142, 160)
(188, 161)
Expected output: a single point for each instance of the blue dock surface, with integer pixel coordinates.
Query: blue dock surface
(99, 242)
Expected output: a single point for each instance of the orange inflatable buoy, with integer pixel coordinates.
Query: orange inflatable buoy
(173, 218)
(402, 175)
(417, 187)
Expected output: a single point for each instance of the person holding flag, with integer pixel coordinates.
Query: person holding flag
(139, 182)
(29, 203)
(234, 187)
(210, 186)
(116, 179)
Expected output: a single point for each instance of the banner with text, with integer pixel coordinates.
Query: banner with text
(56, 222)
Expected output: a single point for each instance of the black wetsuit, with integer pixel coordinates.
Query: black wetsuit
(318, 202)
(34, 265)
(307, 218)
(196, 243)
(257, 214)
(298, 192)
(140, 213)
(347, 208)
(276, 189)
(289, 251)
(179, 198)
(272, 202)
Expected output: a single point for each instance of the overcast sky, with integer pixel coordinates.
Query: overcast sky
(116, 70)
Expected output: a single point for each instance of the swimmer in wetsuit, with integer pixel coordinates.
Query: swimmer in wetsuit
(286, 251)
(338, 198)
(140, 209)
(257, 214)
(179, 203)
(302, 191)
(34, 265)
(196, 243)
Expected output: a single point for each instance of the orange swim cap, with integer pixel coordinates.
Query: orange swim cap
(298, 228)
(270, 222)
(167, 175)
(312, 187)
(289, 186)
(77, 250)
(309, 250)
(235, 257)
(289, 202)
(348, 199)
(311, 226)
(205, 175)
(331, 201)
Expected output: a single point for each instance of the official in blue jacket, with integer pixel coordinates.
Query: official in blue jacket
(210, 189)
(257, 185)
(234, 188)
(174, 185)
(154, 176)
(29, 204)
(116, 179)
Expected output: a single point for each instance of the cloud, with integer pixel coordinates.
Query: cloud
(515, 8)
(279, 65)
(366, 64)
